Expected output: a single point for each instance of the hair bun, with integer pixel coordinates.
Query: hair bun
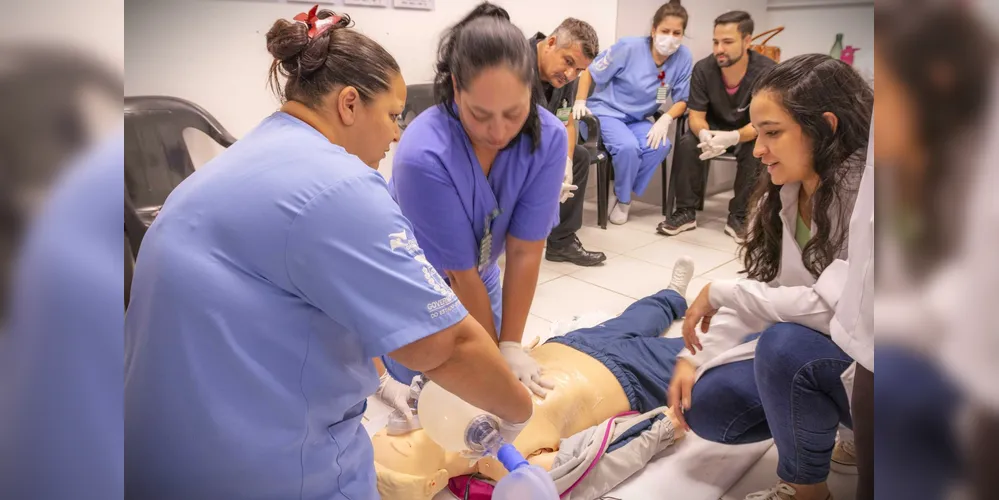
(289, 42)
(286, 40)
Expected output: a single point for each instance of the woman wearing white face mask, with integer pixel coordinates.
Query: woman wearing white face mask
(634, 78)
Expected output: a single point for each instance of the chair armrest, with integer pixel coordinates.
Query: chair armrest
(593, 142)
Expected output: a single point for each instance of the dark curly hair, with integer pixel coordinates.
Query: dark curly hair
(808, 86)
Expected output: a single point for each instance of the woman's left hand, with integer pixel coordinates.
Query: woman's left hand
(700, 311)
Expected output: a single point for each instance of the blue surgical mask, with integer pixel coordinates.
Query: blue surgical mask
(667, 45)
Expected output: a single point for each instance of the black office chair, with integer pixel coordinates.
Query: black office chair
(419, 97)
(156, 156)
(605, 169)
(669, 190)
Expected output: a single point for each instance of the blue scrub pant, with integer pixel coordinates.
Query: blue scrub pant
(791, 392)
(632, 348)
(634, 162)
(917, 447)
(495, 290)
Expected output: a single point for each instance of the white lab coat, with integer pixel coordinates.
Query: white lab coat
(852, 327)
(795, 296)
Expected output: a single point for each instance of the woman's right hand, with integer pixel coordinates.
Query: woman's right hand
(579, 109)
(680, 388)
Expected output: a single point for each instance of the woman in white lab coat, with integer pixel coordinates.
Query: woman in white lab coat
(763, 365)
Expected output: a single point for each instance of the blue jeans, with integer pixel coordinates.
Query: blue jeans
(791, 392)
(917, 452)
(631, 347)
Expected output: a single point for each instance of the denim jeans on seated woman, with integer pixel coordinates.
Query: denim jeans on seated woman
(791, 392)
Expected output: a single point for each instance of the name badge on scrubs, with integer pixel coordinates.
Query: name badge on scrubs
(486, 245)
(662, 94)
(564, 112)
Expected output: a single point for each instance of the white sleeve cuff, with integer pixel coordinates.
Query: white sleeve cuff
(720, 293)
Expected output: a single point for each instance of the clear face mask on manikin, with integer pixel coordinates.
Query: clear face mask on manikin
(667, 45)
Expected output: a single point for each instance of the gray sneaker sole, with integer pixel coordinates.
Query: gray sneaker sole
(673, 232)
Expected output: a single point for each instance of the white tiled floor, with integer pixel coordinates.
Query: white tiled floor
(640, 263)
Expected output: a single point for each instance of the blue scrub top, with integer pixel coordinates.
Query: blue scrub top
(627, 79)
(263, 289)
(442, 189)
(61, 349)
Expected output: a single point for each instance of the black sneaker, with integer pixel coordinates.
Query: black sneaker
(575, 253)
(736, 228)
(680, 221)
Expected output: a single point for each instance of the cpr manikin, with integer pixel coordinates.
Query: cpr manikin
(587, 392)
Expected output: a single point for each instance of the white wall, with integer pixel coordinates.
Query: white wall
(810, 30)
(634, 18)
(214, 54)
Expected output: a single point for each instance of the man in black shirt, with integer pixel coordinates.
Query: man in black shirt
(561, 57)
(721, 88)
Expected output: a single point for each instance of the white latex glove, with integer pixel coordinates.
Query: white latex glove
(659, 132)
(395, 394)
(510, 431)
(579, 109)
(567, 186)
(704, 136)
(525, 368)
(721, 139)
(709, 152)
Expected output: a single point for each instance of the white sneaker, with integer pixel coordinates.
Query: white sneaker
(844, 458)
(780, 492)
(619, 214)
(683, 271)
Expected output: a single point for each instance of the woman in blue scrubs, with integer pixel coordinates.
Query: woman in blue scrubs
(634, 77)
(271, 279)
(479, 174)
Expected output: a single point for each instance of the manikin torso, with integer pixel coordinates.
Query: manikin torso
(586, 393)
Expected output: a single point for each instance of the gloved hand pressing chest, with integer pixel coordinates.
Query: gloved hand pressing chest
(525, 368)
(567, 186)
(659, 132)
(395, 394)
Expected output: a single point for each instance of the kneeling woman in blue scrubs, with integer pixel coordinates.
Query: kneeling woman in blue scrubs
(271, 278)
(634, 77)
(479, 174)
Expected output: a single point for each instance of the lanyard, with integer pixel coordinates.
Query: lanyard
(486, 245)
(662, 78)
